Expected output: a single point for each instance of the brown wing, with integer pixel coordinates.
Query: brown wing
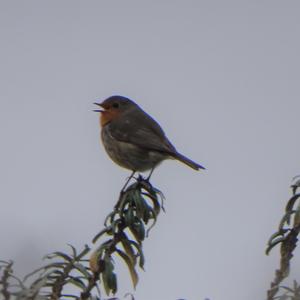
(138, 128)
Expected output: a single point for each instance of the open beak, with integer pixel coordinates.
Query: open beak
(98, 110)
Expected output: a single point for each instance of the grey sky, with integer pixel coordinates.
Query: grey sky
(221, 77)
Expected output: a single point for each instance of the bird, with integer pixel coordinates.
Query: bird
(133, 139)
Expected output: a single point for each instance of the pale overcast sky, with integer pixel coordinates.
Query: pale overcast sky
(221, 77)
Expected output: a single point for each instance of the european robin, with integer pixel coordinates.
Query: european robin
(133, 139)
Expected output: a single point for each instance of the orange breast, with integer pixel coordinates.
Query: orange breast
(107, 116)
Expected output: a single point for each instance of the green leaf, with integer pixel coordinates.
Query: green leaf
(296, 184)
(155, 202)
(281, 232)
(129, 216)
(112, 282)
(297, 216)
(83, 270)
(108, 277)
(147, 213)
(46, 268)
(61, 255)
(57, 265)
(38, 284)
(286, 219)
(139, 253)
(128, 248)
(138, 230)
(139, 204)
(65, 296)
(274, 243)
(115, 225)
(154, 192)
(105, 245)
(291, 202)
(123, 201)
(95, 258)
(141, 260)
(105, 284)
(110, 218)
(57, 272)
(74, 252)
(133, 274)
(102, 232)
(85, 251)
(77, 282)
(154, 220)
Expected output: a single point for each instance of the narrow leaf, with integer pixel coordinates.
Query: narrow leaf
(107, 276)
(133, 274)
(274, 243)
(98, 235)
(83, 270)
(291, 202)
(62, 255)
(77, 282)
(138, 230)
(281, 232)
(128, 249)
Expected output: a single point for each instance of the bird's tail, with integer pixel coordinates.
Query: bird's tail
(187, 161)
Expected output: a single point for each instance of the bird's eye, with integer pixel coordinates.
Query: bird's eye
(115, 105)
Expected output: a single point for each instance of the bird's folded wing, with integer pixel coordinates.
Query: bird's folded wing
(141, 130)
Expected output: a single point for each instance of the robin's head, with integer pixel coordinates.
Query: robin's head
(113, 107)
